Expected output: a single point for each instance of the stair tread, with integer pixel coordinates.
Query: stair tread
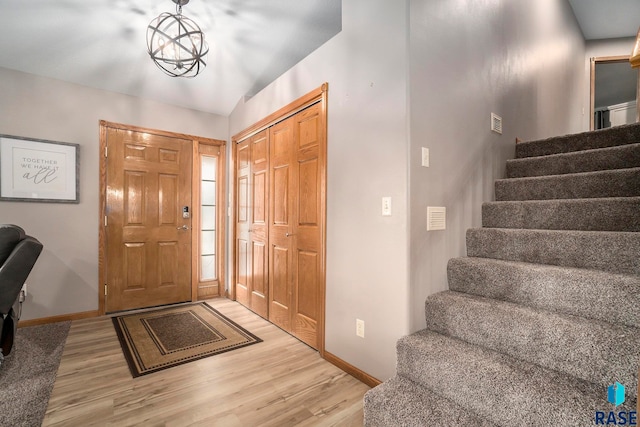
(571, 175)
(608, 183)
(597, 159)
(565, 290)
(498, 387)
(539, 336)
(403, 403)
(613, 251)
(589, 214)
(614, 136)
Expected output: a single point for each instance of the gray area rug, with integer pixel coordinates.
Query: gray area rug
(27, 374)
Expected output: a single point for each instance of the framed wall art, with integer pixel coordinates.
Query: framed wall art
(37, 170)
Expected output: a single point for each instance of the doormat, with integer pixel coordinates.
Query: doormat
(167, 337)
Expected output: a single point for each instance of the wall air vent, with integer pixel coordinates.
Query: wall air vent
(496, 123)
(436, 218)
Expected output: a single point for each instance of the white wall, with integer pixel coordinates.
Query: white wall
(366, 68)
(65, 278)
(520, 59)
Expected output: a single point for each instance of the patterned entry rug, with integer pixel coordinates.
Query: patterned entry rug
(166, 337)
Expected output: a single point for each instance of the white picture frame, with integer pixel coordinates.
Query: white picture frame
(37, 170)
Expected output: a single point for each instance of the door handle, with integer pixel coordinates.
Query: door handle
(289, 234)
(184, 227)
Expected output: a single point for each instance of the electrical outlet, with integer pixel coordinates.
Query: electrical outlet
(360, 328)
(386, 206)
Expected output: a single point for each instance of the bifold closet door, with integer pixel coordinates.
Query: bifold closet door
(296, 201)
(252, 226)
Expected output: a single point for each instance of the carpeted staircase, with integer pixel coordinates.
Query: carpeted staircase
(544, 312)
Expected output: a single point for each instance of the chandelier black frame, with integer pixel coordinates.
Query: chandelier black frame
(176, 44)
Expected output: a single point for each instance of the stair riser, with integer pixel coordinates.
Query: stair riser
(484, 381)
(619, 135)
(622, 157)
(611, 214)
(620, 183)
(613, 298)
(615, 252)
(576, 346)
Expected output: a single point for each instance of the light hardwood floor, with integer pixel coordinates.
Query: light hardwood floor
(279, 382)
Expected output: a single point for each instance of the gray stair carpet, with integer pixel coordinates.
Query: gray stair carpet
(609, 183)
(596, 214)
(561, 290)
(611, 137)
(619, 157)
(543, 314)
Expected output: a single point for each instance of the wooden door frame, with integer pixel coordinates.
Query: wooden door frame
(102, 241)
(315, 96)
(592, 94)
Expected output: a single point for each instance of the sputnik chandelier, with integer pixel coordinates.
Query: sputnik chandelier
(176, 44)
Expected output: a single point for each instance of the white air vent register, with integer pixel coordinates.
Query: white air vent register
(436, 218)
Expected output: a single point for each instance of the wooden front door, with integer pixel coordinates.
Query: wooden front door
(148, 255)
(251, 227)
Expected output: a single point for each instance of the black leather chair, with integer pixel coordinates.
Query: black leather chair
(18, 254)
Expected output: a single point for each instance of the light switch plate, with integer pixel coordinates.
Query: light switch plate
(386, 206)
(425, 157)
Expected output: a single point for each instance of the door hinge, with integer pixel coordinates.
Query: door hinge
(105, 220)
(105, 289)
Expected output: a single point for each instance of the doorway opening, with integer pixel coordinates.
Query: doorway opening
(613, 92)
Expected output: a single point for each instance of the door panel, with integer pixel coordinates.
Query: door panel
(259, 223)
(307, 189)
(251, 227)
(243, 226)
(148, 250)
(281, 225)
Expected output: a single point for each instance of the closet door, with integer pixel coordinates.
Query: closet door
(252, 227)
(281, 225)
(308, 197)
(259, 235)
(295, 233)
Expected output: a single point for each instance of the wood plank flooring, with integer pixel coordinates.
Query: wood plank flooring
(279, 382)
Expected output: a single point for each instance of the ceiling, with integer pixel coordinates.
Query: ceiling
(607, 19)
(102, 44)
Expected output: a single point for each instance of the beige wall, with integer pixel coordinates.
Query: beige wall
(520, 59)
(366, 68)
(65, 278)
